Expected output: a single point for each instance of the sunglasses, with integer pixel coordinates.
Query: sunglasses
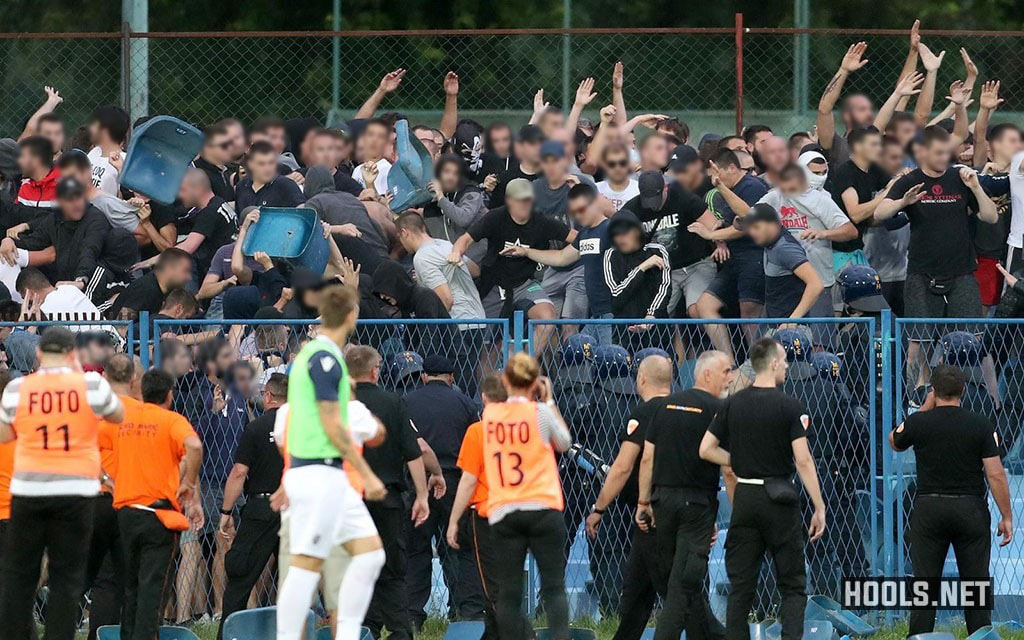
(748, 169)
(617, 164)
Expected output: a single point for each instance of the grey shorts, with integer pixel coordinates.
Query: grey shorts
(528, 294)
(963, 300)
(689, 282)
(567, 291)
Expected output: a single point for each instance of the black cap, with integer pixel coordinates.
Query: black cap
(651, 185)
(682, 156)
(69, 187)
(762, 212)
(56, 340)
(437, 365)
(530, 133)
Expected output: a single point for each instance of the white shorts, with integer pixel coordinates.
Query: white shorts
(331, 573)
(324, 510)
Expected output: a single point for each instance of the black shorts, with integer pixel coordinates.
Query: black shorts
(963, 300)
(740, 279)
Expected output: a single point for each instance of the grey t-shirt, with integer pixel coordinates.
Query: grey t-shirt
(120, 214)
(887, 252)
(812, 209)
(433, 270)
(555, 202)
(339, 207)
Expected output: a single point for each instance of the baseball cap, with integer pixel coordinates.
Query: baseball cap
(405, 364)
(651, 185)
(70, 187)
(552, 149)
(827, 364)
(56, 340)
(436, 365)
(762, 212)
(519, 189)
(862, 288)
(682, 156)
(530, 133)
(612, 369)
(961, 349)
(578, 359)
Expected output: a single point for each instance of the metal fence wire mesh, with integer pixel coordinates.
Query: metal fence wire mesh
(712, 78)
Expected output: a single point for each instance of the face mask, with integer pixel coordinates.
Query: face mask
(815, 181)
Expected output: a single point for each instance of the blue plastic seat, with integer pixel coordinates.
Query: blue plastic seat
(113, 632)
(158, 155)
(575, 633)
(934, 635)
(414, 168)
(324, 633)
(765, 630)
(295, 234)
(467, 630)
(648, 634)
(985, 633)
(259, 624)
(818, 630)
(823, 608)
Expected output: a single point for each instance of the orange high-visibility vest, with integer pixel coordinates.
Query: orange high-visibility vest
(520, 465)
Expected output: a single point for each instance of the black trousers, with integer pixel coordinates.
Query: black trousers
(149, 550)
(256, 540)
(760, 525)
(475, 531)
(105, 568)
(684, 531)
(389, 607)
(60, 527)
(935, 524)
(543, 534)
(466, 600)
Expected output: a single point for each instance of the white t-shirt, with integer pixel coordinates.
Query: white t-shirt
(1016, 237)
(619, 198)
(362, 425)
(104, 175)
(9, 274)
(381, 183)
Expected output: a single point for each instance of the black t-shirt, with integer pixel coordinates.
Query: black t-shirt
(162, 215)
(636, 432)
(667, 226)
(400, 446)
(866, 184)
(501, 231)
(949, 443)
(219, 225)
(757, 427)
(676, 430)
(498, 197)
(279, 192)
(258, 451)
(940, 230)
(143, 294)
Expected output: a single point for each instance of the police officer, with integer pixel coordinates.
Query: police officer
(760, 433)
(957, 451)
(256, 474)
(963, 350)
(861, 290)
(442, 416)
(390, 607)
(683, 489)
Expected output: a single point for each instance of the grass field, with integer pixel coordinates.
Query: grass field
(435, 627)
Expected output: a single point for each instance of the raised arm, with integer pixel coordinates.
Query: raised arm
(618, 101)
(597, 145)
(539, 105)
(53, 99)
(958, 95)
(584, 96)
(450, 117)
(238, 268)
(987, 211)
(906, 87)
(852, 61)
(388, 84)
(931, 62)
(988, 102)
(889, 207)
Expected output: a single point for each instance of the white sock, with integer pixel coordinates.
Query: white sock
(293, 602)
(356, 592)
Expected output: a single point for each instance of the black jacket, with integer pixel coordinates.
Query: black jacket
(636, 293)
(82, 246)
(392, 280)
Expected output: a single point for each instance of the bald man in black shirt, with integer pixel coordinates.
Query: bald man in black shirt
(760, 433)
(957, 451)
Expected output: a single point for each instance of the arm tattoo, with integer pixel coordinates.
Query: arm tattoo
(832, 83)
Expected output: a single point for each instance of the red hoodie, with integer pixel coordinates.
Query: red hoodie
(40, 193)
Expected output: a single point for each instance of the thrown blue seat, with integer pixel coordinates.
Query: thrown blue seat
(467, 630)
(818, 630)
(324, 633)
(575, 633)
(158, 155)
(259, 624)
(291, 233)
(113, 632)
(648, 634)
(414, 168)
(765, 630)
(987, 632)
(844, 622)
(934, 635)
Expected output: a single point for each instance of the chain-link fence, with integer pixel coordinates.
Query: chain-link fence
(712, 78)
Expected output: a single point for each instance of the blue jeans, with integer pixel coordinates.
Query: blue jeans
(602, 331)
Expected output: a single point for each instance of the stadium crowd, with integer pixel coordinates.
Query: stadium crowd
(623, 217)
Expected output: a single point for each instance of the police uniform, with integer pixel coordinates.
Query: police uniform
(256, 539)
(390, 605)
(442, 415)
(757, 426)
(950, 507)
(685, 502)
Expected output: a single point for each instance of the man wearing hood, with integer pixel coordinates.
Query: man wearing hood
(347, 214)
(393, 284)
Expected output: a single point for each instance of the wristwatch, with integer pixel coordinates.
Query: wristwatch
(225, 512)
(594, 509)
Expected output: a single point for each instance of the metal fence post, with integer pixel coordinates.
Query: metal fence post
(566, 54)
(888, 529)
(126, 68)
(739, 73)
(518, 334)
(144, 338)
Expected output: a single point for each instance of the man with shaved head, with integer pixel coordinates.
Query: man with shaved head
(210, 224)
(773, 156)
(684, 490)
